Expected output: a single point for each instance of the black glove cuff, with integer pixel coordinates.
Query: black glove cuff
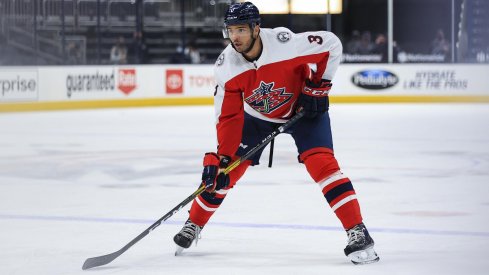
(225, 161)
(323, 83)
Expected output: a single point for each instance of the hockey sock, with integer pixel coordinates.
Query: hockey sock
(335, 186)
(204, 206)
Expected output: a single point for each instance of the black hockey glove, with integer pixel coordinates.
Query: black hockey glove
(314, 98)
(212, 178)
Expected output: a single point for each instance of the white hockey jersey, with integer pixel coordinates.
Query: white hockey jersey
(268, 88)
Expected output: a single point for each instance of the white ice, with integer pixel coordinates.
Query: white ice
(79, 184)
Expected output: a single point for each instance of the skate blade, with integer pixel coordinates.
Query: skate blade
(366, 256)
(179, 250)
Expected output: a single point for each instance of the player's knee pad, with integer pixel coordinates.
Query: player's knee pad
(320, 163)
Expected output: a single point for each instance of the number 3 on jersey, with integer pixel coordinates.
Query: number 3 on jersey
(315, 38)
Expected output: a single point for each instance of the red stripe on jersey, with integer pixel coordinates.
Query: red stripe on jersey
(286, 79)
(287, 76)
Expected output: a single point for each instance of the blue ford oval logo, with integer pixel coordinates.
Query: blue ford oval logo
(374, 79)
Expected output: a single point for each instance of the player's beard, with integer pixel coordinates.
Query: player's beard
(247, 49)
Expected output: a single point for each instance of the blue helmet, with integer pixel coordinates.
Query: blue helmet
(242, 13)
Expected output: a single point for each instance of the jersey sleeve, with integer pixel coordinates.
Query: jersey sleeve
(323, 51)
(228, 104)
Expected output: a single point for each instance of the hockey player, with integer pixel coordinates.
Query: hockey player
(263, 77)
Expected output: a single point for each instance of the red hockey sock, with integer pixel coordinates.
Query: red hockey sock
(336, 187)
(204, 206)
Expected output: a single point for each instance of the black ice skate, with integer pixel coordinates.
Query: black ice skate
(186, 236)
(360, 248)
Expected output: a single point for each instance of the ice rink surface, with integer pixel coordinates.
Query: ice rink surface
(79, 184)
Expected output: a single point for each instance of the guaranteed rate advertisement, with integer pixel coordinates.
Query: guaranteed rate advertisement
(77, 83)
(89, 83)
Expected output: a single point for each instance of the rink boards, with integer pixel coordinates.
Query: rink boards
(80, 87)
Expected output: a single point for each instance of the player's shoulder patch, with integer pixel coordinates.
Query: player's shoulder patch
(284, 36)
(220, 59)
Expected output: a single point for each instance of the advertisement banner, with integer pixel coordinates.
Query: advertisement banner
(174, 81)
(19, 85)
(127, 80)
(411, 80)
(198, 80)
(90, 84)
(113, 84)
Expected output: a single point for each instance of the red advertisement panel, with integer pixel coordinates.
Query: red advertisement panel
(174, 81)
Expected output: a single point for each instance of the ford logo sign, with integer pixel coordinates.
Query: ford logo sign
(374, 79)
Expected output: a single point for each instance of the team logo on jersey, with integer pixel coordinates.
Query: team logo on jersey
(283, 36)
(220, 60)
(265, 99)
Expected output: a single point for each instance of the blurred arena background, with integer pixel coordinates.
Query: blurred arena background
(95, 53)
(80, 183)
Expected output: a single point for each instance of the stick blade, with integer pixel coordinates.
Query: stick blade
(100, 260)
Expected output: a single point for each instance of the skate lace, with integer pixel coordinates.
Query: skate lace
(355, 235)
(191, 231)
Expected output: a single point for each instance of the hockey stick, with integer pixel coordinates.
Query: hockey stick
(105, 259)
